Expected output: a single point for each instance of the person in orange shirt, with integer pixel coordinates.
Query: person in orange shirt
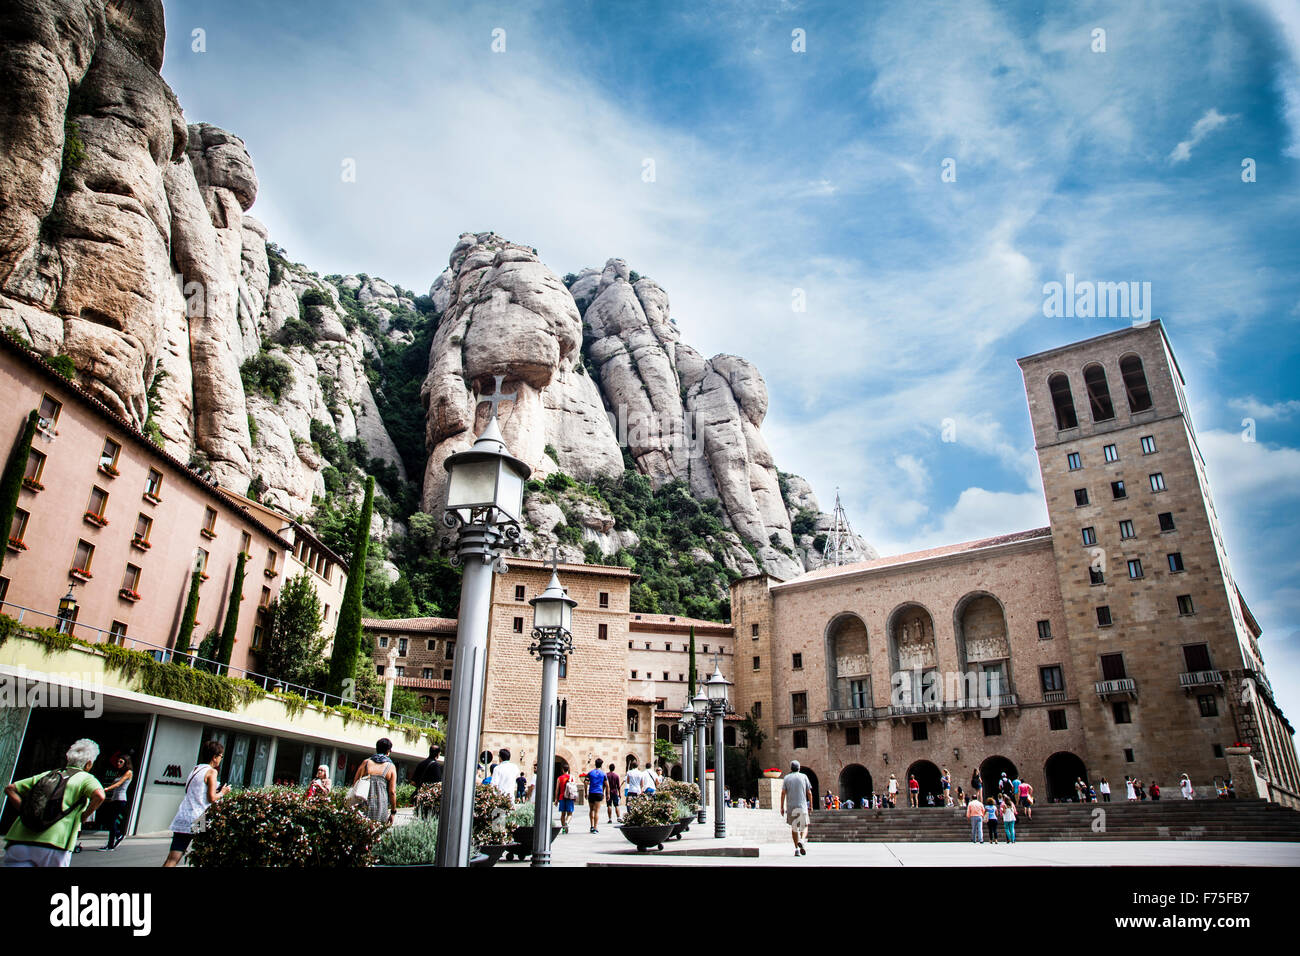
(975, 814)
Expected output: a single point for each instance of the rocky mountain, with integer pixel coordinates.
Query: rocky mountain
(126, 244)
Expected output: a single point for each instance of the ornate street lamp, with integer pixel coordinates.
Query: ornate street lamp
(701, 708)
(686, 724)
(485, 492)
(552, 639)
(67, 611)
(717, 686)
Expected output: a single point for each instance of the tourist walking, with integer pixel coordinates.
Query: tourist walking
(975, 816)
(566, 792)
(320, 784)
(945, 781)
(52, 806)
(1105, 790)
(796, 796)
(117, 794)
(913, 791)
(200, 793)
(595, 794)
(1009, 821)
(503, 776)
(649, 779)
(521, 786)
(1185, 786)
(381, 777)
(991, 818)
(893, 789)
(428, 770)
(612, 794)
(1129, 791)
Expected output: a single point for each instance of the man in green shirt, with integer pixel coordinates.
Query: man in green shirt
(53, 846)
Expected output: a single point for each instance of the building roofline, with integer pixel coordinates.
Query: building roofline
(294, 523)
(411, 625)
(1105, 336)
(38, 363)
(602, 570)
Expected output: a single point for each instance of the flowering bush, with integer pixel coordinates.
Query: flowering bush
(650, 810)
(275, 826)
(686, 793)
(491, 807)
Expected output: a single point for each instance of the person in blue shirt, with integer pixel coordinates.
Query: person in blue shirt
(595, 793)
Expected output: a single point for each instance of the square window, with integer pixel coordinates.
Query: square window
(799, 704)
(797, 661)
(1117, 490)
(519, 592)
(1197, 657)
(1176, 562)
(992, 726)
(49, 413)
(131, 578)
(1158, 481)
(668, 646)
(1126, 530)
(1166, 520)
(153, 484)
(426, 673)
(449, 652)
(401, 647)
(108, 457)
(117, 633)
(1056, 720)
(602, 631)
(383, 641)
(1122, 714)
(1095, 575)
(430, 645)
(1089, 536)
(446, 674)
(1073, 459)
(1112, 667)
(1052, 677)
(1134, 568)
(379, 670)
(1208, 704)
(852, 736)
(604, 599)
(1103, 616)
(1185, 604)
(1112, 453)
(753, 630)
(920, 731)
(399, 671)
(755, 663)
(518, 625)
(1148, 444)
(647, 645)
(97, 503)
(1128, 755)
(800, 739)
(1044, 630)
(1080, 497)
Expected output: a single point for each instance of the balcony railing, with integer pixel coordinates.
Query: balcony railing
(851, 713)
(800, 718)
(1053, 696)
(904, 710)
(1200, 678)
(1124, 687)
(165, 654)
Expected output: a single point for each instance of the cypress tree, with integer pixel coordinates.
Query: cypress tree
(186, 632)
(347, 636)
(232, 613)
(690, 692)
(11, 482)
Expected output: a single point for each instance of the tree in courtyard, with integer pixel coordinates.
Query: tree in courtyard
(347, 636)
(292, 625)
(228, 629)
(11, 482)
(752, 733)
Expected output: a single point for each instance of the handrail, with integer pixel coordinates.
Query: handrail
(165, 654)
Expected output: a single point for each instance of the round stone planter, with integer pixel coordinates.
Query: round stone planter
(488, 855)
(522, 847)
(1236, 751)
(645, 837)
(772, 774)
(681, 826)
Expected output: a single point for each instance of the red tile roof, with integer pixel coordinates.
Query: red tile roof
(412, 625)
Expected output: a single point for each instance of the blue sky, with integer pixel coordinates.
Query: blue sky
(777, 170)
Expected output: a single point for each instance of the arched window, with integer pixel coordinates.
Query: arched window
(1063, 401)
(729, 736)
(632, 721)
(1094, 378)
(662, 731)
(1135, 383)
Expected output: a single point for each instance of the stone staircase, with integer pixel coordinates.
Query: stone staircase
(1162, 820)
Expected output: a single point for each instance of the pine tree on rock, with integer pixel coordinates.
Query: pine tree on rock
(232, 612)
(11, 482)
(347, 636)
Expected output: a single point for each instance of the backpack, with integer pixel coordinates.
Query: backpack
(42, 806)
(570, 790)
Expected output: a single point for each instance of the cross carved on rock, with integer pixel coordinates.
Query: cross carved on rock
(496, 397)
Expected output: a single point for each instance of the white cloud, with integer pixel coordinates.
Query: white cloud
(1252, 407)
(1285, 15)
(1211, 120)
(1242, 471)
(980, 513)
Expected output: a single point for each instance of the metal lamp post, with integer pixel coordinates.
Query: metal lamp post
(701, 718)
(552, 639)
(485, 492)
(717, 686)
(67, 611)
(687, 727)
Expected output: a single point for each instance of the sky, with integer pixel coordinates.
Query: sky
(866, 200)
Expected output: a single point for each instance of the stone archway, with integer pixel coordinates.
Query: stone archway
(848, 663)
(1059, 773)
(676, 772)
(991, 771)
(814, 786)
(983, 649)
(855, 784)
(912, 649)
(930, 779)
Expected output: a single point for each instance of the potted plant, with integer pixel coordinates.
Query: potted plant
(650, 820)
(488, 830)
(687, 796)
(522, 824)
(412, 844)
(772, 773)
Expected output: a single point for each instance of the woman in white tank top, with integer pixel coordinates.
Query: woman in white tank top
(200, 792)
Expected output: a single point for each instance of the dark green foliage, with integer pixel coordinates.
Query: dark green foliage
(276, 262)
(805, 522)
(633, 276)
(186, 632)
(11, 482)
(314, 297)
(277, 827)
(297, 332)
(74, 148)
(292, 626)
(208, 649)
(650, 810)
(267, 374)
(569, 279)
(64, 365)
(347, 636)
(231, 623)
